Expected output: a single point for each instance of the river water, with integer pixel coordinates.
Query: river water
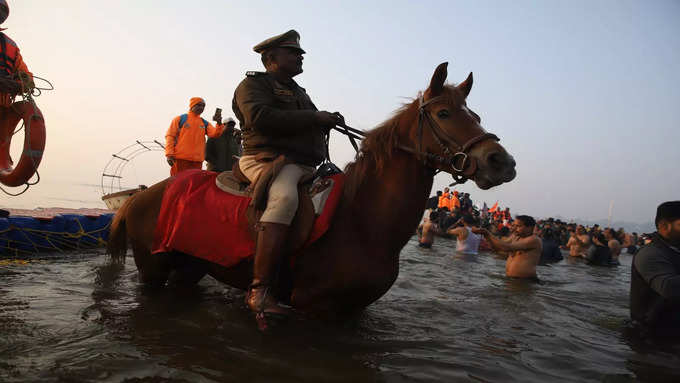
(74, 318)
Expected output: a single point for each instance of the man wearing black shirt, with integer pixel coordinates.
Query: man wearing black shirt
(655, 276)
(433, 202)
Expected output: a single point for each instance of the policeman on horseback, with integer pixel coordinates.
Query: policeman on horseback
(278, 120)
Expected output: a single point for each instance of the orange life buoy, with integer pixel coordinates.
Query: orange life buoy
(34, 142)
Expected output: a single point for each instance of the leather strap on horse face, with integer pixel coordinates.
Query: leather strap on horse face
(461, 163)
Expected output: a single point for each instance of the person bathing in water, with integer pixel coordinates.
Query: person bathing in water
(427, 230)
(578, 243)
(467, 241)
(613, 244)
(524, 248)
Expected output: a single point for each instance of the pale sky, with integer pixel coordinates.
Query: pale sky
(584, 94)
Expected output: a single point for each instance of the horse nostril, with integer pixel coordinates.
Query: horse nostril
(500, 161)
(496, 160)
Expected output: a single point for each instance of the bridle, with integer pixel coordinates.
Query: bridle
(462, 165)
(460, 174)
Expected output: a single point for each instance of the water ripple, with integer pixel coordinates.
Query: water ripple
(75, 317)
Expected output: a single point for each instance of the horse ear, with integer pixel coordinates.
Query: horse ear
(438, 79)
(466, 85)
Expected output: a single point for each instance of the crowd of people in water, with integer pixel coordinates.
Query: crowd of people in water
(452, 214)
(526, 243)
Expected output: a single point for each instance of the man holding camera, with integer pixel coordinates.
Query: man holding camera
(220, 151)
(185, 139)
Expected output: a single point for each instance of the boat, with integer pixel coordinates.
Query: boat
(114, 194)
(115, 200)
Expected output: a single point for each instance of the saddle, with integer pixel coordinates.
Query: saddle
(313, 191)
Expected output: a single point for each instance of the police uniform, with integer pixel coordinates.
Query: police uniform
(278, 118)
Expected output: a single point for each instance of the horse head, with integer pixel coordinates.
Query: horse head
(451, 137)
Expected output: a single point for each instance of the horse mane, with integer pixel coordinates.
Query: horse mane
(379, 144)
(376, 148)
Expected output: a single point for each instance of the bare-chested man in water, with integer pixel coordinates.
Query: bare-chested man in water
(525, 248)
(428, 228)
(579, 243)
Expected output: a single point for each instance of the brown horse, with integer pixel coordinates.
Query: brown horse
(357, 260)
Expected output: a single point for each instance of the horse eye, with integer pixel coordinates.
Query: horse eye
(443, 113)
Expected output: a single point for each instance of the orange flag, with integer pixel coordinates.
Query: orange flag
(494, 207)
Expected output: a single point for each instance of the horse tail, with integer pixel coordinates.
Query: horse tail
(117, 244)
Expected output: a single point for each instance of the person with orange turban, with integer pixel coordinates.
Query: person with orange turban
(185, 139)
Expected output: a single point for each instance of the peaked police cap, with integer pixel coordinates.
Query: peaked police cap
(290, 39)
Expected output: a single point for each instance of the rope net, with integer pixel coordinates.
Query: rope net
(22, 236)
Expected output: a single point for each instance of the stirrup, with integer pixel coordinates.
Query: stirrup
(266, 316)
(266, 299)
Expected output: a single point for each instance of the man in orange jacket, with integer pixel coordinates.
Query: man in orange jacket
(185, 139)
(12, 66)
(455, 202)
(444, 199)
(14, 76)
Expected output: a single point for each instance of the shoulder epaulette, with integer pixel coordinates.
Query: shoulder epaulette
(252, 73)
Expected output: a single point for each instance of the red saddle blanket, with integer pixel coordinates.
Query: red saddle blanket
(198, 218)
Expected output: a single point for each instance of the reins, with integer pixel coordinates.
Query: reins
(351, 133)
(460, 174)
